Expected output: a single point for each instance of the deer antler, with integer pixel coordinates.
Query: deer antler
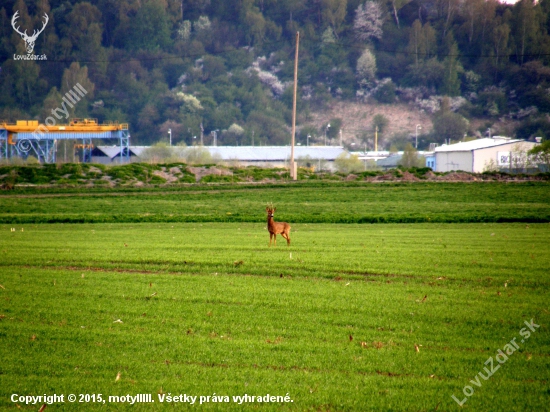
(29, 40)
(44, 24)
(13, 19)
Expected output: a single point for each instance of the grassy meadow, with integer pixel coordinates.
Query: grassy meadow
(309, 202)
(350, 317)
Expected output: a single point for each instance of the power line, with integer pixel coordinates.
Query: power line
(347, 45)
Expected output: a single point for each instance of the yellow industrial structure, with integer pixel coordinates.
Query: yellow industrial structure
(26, 136)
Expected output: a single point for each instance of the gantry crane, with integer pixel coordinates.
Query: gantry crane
(28, 136)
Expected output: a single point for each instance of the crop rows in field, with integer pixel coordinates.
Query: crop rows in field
(302, 203)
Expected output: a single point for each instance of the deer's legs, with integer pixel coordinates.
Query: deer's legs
(285, 235)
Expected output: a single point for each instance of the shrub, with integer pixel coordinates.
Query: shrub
(385, 93)
(348, 163)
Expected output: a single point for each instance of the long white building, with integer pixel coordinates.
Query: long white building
(321, 157)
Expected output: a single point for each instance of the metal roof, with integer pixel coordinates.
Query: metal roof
(248, 153)
(274, 153)
(476, 144)
(114, 151)
(110, 151)
(392, 160)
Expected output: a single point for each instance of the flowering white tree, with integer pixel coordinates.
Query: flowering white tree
(267, 78)
(366, 68)
(368, 21)
(189, 102)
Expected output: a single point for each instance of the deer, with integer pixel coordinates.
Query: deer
(29, 40)
(276, 228)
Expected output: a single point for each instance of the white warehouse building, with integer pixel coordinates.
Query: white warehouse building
(477, 156)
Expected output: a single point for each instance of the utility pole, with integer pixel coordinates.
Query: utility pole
(293, 171)
(376, 139)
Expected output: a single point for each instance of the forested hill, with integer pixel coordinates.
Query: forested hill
(228, 64)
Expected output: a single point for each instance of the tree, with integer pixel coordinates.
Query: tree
(428, 42)
(422, 43)
(525, 28)
(158, 153)
(451, 79)
(396, 6)
(368, 21)
(256, 24)
(429, 74)
(233, 135)
(333, 13)
(415, 39)
(27, 86)
(411, 158)
(385, 93)
(73, 75)
(449, 126)
(500, 39)
(471, 10)
(380, 122)
(199, 155)
(447, 10)
(149, 29)
(348, 163)
(541, 154)
(366, 68)
(51, 102)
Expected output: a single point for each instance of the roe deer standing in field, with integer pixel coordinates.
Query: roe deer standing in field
(276, 228)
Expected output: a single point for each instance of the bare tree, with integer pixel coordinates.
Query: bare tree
(396, 5)
(368, 21)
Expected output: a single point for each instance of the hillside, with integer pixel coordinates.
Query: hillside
(357, 119)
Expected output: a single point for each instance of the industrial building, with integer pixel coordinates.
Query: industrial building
(320, 157)
(477, 156)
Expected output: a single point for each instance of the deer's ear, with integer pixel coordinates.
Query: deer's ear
(275, 209)
(267, 209)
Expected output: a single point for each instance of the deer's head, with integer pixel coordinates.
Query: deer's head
(270, 210)
(29, 40)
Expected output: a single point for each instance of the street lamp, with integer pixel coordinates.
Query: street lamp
(326, 130)
(170, 133)
(215, 134)
(308, 136)
(416, 138)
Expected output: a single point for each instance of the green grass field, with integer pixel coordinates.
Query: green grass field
(323, 202)
(350, 317)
